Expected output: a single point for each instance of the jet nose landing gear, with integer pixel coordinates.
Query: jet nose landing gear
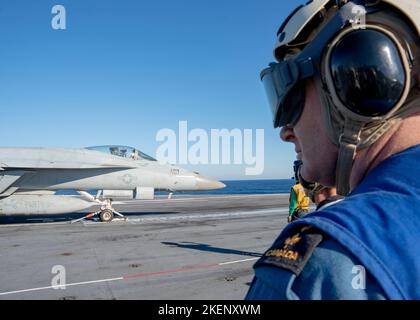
(106, 213)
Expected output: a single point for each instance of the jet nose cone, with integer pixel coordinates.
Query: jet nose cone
(204, 183)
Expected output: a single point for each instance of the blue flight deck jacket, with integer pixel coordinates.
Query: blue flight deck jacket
(376, 229)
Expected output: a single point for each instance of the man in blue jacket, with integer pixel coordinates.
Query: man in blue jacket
(345, 90)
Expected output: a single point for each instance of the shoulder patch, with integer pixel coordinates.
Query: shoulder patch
(292, 252)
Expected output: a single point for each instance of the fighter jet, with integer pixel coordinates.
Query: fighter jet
(30, 178)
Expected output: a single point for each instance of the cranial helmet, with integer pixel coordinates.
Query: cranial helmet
(365, 59)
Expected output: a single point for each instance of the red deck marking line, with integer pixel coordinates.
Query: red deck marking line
(161, 273)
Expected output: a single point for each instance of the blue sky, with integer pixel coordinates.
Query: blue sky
(123, 70)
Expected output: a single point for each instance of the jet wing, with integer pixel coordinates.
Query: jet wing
(7, 178)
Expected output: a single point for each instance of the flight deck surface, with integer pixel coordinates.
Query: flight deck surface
(183, 248)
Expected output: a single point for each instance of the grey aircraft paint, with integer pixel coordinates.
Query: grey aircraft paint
(30, 176)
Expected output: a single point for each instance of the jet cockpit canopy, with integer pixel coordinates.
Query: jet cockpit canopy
(123, 151)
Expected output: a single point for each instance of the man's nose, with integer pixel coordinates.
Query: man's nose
(287, 134)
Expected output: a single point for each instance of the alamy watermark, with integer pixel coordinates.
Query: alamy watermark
(359, 19)
(58, 22)
(219, 146)
(59, 280)
(359, 280)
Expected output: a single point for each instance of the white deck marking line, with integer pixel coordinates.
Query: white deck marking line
(206, 216)
(59, 286)
(179, 217)
(237, 261)
(117, 279)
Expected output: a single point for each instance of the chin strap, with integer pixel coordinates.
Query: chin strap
(349, 141)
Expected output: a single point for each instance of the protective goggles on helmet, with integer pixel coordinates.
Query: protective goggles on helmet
(284, 86)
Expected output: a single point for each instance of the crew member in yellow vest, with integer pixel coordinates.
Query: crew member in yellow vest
(298, 200)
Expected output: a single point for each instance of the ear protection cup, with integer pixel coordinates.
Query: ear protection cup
(296, 165)
(368, 72)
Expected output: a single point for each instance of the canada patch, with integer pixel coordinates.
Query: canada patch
(292, 253)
